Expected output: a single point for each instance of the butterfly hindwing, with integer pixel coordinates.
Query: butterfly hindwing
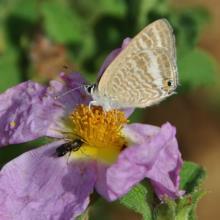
(145, 72)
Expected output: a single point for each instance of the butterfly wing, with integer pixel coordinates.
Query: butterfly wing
(145, 72)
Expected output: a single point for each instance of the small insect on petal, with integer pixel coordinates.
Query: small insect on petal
(68, 147)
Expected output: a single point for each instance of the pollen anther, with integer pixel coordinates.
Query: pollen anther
(99, 129)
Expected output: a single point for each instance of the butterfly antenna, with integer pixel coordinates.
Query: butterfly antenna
(67, 92)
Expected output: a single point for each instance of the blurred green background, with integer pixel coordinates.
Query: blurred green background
(40, 38)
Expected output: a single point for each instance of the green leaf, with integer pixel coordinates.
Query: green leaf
(139, 199)
(84, 215)
(198, 18)
(191, 176)
(111, 7)
(12, 151)
(3, 42)
(196, 68)
(188, 25)
(26, 9)
(166, 210)
(61, 23)
(9, 68)
(181, 209)
(137, 115)
(146, 6)
(186, 206)
(93, 9)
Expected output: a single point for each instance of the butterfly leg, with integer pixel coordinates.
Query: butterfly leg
(92, 103)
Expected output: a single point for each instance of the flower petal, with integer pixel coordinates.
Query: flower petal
(164, 174)
(154, 155)
(166, 159)
(26, 113)
(74, 84)
(30, 110)
(38, 185)
(116, 180)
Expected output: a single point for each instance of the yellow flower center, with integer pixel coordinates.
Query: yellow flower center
(100, 131)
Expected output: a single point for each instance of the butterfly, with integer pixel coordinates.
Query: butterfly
(143, 74)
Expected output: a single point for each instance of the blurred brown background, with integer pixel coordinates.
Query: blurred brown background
(198, 124)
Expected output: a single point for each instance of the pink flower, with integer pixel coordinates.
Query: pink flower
(115, 155)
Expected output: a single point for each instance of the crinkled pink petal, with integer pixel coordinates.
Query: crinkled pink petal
(167, 175)
(154, 154)
(40, 186)
(165, 170)
(27, 113)
(30, 110)
(116, 180)
(69, 91)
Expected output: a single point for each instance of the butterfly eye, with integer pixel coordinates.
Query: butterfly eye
(89, 89)
(169, 83)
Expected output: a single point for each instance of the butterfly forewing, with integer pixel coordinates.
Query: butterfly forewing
(145, 72)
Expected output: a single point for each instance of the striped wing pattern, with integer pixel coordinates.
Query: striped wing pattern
(145, 72)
